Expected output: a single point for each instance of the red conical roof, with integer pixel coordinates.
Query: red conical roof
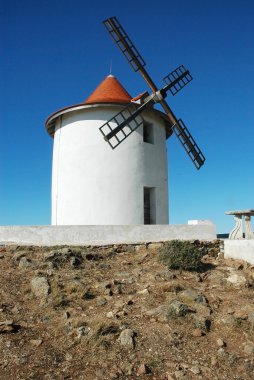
(109, 91)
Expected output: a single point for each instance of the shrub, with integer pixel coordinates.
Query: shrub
(181, 255)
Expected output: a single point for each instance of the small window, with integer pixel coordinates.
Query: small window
(149, 205)
(148, 133)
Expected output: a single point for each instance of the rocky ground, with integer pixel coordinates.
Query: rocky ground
(118, 313)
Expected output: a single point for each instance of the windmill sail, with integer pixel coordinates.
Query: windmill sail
(116, 131)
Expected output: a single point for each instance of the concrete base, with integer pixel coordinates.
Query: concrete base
(103, 235)
(239, 249)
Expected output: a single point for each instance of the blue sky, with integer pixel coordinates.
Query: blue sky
(54, 53)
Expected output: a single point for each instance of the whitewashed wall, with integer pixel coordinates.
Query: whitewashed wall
(93, 184)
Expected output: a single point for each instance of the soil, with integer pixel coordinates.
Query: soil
(117, 312)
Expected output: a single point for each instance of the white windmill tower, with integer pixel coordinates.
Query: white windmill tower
(95, 185)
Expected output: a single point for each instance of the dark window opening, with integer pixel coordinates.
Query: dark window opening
(148, 136)
(149, 205)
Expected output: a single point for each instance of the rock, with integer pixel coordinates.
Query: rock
(62, 255)
(249, 348)
(35, 342)
(143, 370)
(104, 285)
(110, 314)
(236, 279)
(228, 320)
(68, 357)
(66, 315)
(164, 275)
(179, 309)
(88, 295)
(173, 309)
(126, 338)
(179, 374)
(193, 295)
(251, 319)
(25, 263)
(104, 266)
(195, 370)
(130, 248)
(101, 301)
(40, 287)
(75, 262)
(220, 342)
(140, 247)
(6, 326)
(222, 352)
(144, 292)
(119, 305)
(83, 330)
(18, 255)
(155, 245)
(201, 322)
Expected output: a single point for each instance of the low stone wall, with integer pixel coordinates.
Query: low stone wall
(103, 235)
(239, 249)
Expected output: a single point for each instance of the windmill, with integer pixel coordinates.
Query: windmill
(118, 128)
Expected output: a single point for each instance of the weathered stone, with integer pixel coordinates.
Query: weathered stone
(75, 262)
(126, 338)
(60, 256)
(6, 326)
(36, 342)
(144, 292)
(164, 275)
(228, 320)
(237, 279)
(220, 342)
(193, 295)
(104, 266)
(140, 247)
(101, 301)
(249, 348)
(25, 263)
(40, 287)
(83, 330)
(143, 369)
(155, 245)
(251, 319)
(195, 370)
(201, 322)
(222, 352)
(18, 255)
(119, 305)
(173, 309)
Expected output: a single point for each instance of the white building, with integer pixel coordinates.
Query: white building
(95, 185)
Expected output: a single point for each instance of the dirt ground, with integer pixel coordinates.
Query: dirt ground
(118, 313)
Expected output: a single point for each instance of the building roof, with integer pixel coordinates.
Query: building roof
(109, 90)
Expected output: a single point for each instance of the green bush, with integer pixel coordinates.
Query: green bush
(178, 254)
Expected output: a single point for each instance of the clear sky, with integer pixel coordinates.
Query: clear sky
(54, 53)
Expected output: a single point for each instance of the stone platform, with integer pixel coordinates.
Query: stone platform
(104, 235)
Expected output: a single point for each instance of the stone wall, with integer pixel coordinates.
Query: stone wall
(103, 235)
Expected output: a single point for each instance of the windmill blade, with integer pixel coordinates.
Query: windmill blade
(124, 43)
(114, 128)
(184, 136)
(177, 80)
(117, 129)
(128, 49)
(190, 146)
